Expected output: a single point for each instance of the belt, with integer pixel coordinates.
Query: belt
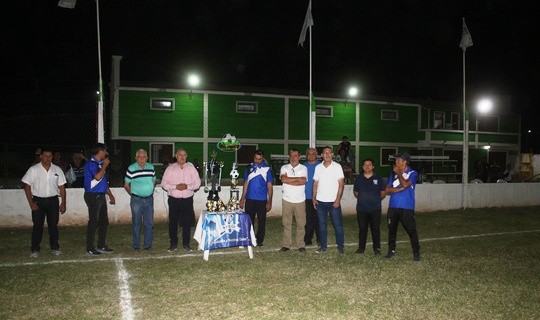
(136, 196)
(44, 198)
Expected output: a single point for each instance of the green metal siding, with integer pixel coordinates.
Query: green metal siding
(136, 118)
(299, 119)
(373, 128)
(267, 123)
(342, 123)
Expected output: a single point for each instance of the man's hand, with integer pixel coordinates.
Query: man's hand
(34, 206)
(62, 208)
(181, 186)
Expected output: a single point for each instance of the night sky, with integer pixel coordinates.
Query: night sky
(399, 49)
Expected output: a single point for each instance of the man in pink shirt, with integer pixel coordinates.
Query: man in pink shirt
(181, 180)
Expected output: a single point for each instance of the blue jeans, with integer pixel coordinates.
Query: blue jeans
(142, 209)
(323, 209)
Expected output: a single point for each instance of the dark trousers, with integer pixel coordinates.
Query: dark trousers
(98, 218)
(312, 222)
(180, 214)
(47, 208)
(257, 208)
(369, 220)
(407, 219)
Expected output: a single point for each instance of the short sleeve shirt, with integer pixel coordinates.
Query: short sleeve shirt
(43, 183)
(294, 194)
(328, 181)
(403, 199)
(369, 192)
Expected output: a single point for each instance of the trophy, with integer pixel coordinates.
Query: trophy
(232, 205)
(213, 168)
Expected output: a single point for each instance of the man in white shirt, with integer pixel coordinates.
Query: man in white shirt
(43, 183)
(293, 176)
(328, 185)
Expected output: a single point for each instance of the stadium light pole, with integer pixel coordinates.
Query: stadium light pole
(100, 123)
(193, 81)
(352, 92)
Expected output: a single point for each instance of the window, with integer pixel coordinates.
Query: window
(161, 152)
(324, 111)
(247, 107)
(385, 156)
(392, 115)
(244, 155)
(438, 120)
(166, 104)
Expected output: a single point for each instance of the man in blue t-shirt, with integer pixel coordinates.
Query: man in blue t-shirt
(257, 193)
(312, 221)
(96, 186)
(369, 190)
(400, 187)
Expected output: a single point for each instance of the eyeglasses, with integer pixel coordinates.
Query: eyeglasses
(294, 173)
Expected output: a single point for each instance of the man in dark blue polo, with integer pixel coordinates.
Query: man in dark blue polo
(369, 190)
(96, 186)
(139, 183)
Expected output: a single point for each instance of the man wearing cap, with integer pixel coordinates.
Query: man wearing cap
(400, 187)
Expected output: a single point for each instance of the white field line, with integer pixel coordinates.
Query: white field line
(125, 293)
(243, 251)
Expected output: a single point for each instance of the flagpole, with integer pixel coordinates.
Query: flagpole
(100, 124)
(465, 169)
(312, 108)
(466, 41)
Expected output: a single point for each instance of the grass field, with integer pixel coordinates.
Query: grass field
(476, 264)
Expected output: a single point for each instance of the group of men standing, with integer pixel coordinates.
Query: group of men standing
(312, 191)
(44, 183)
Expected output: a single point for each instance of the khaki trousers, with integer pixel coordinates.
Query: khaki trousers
(298, 212)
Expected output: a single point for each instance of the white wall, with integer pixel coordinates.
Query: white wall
(15, 212)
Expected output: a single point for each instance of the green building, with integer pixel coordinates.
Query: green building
(161, 120)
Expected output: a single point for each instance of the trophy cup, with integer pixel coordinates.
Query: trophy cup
(213, 168)
(232, 205)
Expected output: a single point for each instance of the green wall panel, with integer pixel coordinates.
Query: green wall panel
(342, 123)
(136, 118)
(372, 128)
(268, 123)
(299, 119)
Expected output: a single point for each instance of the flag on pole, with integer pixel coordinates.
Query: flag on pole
(68, 4)
(308, 22)
(466, 39)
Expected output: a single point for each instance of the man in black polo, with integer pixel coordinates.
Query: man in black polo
(369, 190)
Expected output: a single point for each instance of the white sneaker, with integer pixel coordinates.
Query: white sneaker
(56, 252)
(34, 254)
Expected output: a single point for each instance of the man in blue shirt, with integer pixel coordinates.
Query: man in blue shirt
(401, 184)
(96, 186)
(369, 190)
(312, 221)
(257, 193)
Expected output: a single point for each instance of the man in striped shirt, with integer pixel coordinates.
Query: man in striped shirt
(139, 183)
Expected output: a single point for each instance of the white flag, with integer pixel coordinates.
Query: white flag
(308, 22)
(466, 39)
(68, 4)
